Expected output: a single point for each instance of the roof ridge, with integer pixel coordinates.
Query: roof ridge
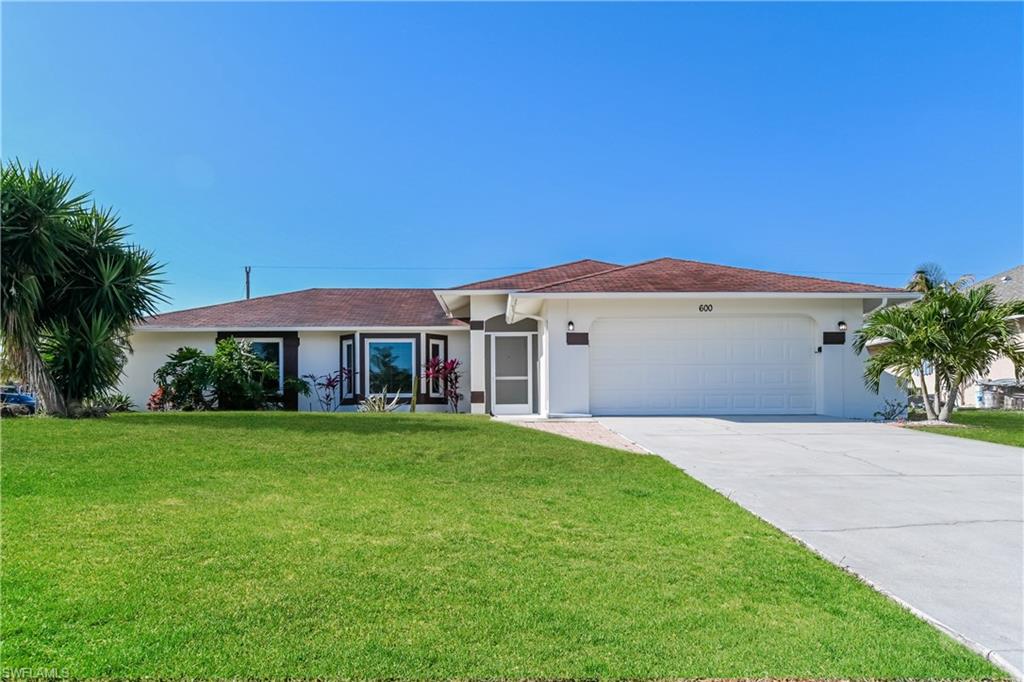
(527, 272)
(697, 262)
(774, 272)
(595, 274)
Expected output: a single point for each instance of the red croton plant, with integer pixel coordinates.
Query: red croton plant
(447, 374)
(327, 387)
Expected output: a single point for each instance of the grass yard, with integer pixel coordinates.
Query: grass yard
(995, 426)
(277, 545)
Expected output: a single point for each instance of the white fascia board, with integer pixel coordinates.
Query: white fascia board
(472, 292)
(443, 303)
(289, 328)
(909, 296)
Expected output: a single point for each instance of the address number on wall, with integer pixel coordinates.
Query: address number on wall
(705, 307)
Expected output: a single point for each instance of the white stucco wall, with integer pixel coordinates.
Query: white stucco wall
(319, 353)
(840, 390)
(150, 352)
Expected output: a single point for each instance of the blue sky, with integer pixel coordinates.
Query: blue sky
(452, 141)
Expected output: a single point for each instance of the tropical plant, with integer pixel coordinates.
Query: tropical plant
(158, 401)
(956, 330)
(296, 384)
(184, 382)
(71, 288)
(242, 379)
(378, 402)
(446, 374)
(976, 332)
(234, 377)
(327, 387)
(114, 402)
(893, 409)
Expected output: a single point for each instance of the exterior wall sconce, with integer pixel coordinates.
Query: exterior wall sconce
(570, 326)
(841, 326)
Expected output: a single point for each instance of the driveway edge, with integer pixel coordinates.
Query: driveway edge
(990, 655)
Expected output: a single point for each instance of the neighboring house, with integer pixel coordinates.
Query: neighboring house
(664, 337)
(999, 387)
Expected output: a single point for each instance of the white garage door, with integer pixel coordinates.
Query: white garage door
(702, 365)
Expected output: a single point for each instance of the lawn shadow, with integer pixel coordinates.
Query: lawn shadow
(341, 424)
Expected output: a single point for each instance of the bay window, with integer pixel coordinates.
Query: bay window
(390, 364)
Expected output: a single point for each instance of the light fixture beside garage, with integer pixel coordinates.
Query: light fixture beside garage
(841, 326)
(570, 326)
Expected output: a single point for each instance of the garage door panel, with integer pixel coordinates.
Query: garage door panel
(744, 376)
(745, 401)
(755, 365)
(800, 376)
(744, 350)
(802, 402)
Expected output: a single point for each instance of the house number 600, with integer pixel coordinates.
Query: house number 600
(705, 307)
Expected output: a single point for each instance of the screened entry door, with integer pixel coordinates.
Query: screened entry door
(511, 375)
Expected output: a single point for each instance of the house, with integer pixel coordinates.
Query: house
(662, 337)
(999, 387)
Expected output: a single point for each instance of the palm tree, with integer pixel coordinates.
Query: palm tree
(72, 288)
(956, 330)
(37, 209)
(976, 332)
(901, 340)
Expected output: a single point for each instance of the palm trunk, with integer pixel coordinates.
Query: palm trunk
(937, 396)
(38, 376)
(928, 411)
(954, 387)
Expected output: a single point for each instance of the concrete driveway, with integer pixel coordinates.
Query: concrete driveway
(935, 521)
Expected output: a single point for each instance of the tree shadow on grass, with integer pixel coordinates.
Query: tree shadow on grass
(346, 424)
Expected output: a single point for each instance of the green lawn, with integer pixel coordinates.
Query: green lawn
(279, 545)
(995, 426)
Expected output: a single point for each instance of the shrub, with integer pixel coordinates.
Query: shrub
(157, 400)
(379, 403)
(8, 410)
(327, 388)
(242, 380)
(893, 409)
(448, 373)
(184, 382)
(233, 378)
(114, 402)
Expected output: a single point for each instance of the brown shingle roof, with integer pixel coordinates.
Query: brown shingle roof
(675, 275)
(316, 308)
(536, 278)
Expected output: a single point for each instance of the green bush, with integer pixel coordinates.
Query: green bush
(233, 378)
(186, 380)
(242, 380)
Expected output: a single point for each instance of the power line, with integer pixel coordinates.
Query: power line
(510, 268)
(515, 268)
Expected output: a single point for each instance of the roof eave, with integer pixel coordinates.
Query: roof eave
(301, 328)
(901, 295)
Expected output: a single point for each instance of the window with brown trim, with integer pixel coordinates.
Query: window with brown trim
(348, 368)
(390, 361)
(437, 347)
